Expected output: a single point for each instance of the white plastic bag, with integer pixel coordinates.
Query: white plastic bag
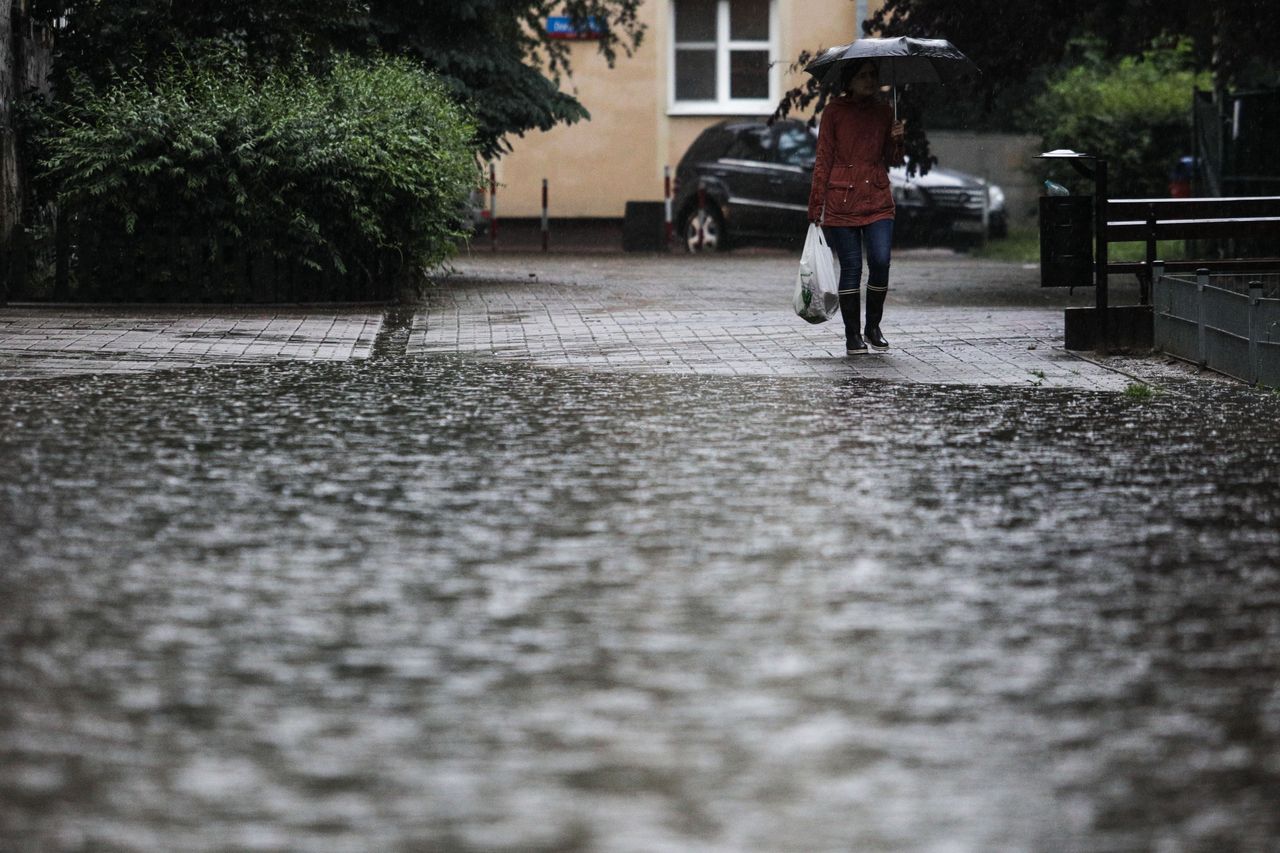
(817, 289)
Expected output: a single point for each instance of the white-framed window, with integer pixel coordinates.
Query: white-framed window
(723, 55)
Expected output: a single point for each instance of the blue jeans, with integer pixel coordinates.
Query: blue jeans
(848, 243)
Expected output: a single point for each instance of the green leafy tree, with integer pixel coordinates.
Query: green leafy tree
(1020, 44)
(496, 58)
(1010, 38)
(117, 149)
(97, 41)
(1135, 109)
(492, 55)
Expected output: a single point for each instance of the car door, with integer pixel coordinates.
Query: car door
(746, 170)
(795, 147)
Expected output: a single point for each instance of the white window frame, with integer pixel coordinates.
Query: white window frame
(723, 104)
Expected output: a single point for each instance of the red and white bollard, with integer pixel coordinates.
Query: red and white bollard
(546, 231)
(669, 225)
(493, 206)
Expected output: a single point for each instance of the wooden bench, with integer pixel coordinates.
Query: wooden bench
(1148, 220)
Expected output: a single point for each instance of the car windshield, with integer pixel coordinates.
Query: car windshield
(796, 146)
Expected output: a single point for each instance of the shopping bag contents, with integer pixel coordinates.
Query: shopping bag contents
(817, 289)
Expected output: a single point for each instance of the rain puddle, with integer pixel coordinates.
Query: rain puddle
(458, 605)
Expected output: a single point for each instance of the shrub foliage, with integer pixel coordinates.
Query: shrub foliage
(1134, 111)
(360, 168)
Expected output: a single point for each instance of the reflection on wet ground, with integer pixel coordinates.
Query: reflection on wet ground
(459, 605)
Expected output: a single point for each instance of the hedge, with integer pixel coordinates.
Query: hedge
(355, 172)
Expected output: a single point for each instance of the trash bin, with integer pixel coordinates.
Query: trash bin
(1182, 177)
(644, 227)
(1066, 241)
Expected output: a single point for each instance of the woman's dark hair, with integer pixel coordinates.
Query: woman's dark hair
(852, 70)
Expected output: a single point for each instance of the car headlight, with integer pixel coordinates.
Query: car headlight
(995, 197)
(908, 193)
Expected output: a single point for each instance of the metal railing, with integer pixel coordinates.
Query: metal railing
(61, 259)
(1228, 323)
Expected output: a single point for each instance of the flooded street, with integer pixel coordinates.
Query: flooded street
(455, 604)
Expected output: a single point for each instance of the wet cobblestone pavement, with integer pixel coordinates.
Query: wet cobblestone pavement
(490, 601)
(62, 341)
(731, 316)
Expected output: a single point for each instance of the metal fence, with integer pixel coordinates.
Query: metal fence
(1227, 323)
(1234, 137)
(65, 260)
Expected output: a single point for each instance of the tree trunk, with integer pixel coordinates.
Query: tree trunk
(26, 67)
(10, 188)
(1220, 65)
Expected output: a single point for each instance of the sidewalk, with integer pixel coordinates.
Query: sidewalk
(56, 341)
(951, 320)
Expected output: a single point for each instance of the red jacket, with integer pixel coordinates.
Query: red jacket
(851, 174)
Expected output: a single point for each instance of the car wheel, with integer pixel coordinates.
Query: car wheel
(704, 231)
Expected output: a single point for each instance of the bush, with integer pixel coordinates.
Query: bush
(357, 171)
(1135, 112)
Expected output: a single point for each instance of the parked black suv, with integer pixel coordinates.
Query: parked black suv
(757, 189)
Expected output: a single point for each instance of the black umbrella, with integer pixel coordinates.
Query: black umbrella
(901, 60)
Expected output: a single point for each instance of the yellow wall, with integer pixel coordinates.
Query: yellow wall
(595, 167)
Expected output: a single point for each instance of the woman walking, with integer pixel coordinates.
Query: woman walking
(858, 141)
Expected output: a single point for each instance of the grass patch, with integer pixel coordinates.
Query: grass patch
(1023, 246)
(1166, 250)
(1139, 391)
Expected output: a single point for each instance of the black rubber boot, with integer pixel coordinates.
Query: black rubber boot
(850, 309)
(875, 311)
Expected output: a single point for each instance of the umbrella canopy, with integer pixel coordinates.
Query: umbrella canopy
(901, 59)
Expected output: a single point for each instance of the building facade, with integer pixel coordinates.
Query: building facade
(701, 61)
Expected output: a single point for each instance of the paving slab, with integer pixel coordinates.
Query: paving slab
(732, 316)
(52, 341)
(951, 319)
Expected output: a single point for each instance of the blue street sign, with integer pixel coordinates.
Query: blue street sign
(563, 28)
